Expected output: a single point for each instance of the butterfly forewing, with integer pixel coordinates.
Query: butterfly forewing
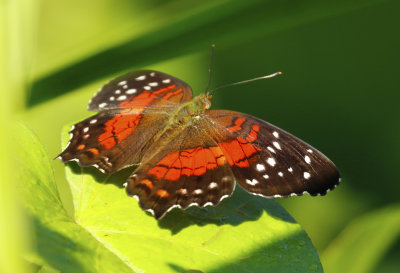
(141, 89)
(112, 140)
(134, 107)
(182, 169)
(269, 161)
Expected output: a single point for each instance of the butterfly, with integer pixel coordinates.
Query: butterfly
(186, 153)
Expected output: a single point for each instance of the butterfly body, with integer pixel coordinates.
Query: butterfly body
(189, 113)
(187, 153)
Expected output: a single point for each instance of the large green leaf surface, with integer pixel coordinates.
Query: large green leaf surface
(244, 233)
(60, 242)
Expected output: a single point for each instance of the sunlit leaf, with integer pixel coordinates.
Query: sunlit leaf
(244, 233)
(59, 241)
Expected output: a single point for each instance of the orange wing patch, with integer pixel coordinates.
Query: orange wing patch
(93, 151)
(239, 150)
(188, 162)
(237, 127)
(81, 147)
(147, 183)
(162, 193)
(197, 161)
(124, 124)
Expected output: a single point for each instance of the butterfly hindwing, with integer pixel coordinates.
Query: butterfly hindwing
(141, 89)
(183, 169)
(268, 161)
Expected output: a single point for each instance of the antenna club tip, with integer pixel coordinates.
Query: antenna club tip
(279, 73)
(212, 45)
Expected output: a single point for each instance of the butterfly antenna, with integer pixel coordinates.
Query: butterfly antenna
(210, 67)
(246, 81)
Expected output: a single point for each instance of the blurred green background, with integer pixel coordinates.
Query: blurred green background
(339, 89)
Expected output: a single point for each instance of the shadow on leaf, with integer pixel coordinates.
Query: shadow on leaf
(117, 179)
(269, 258)
(238, 208)
(55, 248)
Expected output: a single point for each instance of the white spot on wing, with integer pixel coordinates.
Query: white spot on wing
(151, 211)
(307, 159)
(271, 161)
(193, 204)
(136, 197)
(75, 159)
(260, 167)
(166, 81)
(275, 133)
(306, 175)
(153, 83)
(280, 174)
(198, 191)
(223, 197)
(271, 149)
(123, 97)
(125, 86)
(251, 182)
(147, 87)
(93, 121)
(112, 98)
(266, 176)
(310, 151)
(212, 185)
(290, 169)
(117, 91)
(86, 129)
(152, 74)
(141, 78)
(276, 144)
(101, 105)
(122, 83)
(131, 91)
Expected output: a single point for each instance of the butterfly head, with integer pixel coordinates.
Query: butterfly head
(202, 102)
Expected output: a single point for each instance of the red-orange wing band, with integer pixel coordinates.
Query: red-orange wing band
(141, 89)
(112, 140)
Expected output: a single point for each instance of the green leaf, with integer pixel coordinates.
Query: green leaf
(59, 241)
(244, 233)
(364, 242)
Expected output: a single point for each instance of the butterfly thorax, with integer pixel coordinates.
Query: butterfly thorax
(190, 111)
(186, 114)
